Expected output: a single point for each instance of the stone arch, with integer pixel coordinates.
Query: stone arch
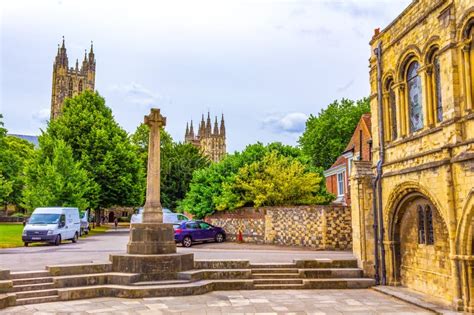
(389, 74)
(465, 250)
(466, 23)
(411, 53)
(417, 261)
(430, 44)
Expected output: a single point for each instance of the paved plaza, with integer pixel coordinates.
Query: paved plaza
(99, 247)
(236, 302)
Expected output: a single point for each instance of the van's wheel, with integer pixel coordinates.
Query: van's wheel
(26, 244)
(86, 232)
(187, 241)
(57, 241)
(74, 239)
(219, 237)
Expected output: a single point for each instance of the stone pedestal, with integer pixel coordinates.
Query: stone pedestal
(151, 239)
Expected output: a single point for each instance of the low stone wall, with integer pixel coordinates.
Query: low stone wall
(319, 227)
(6, 219)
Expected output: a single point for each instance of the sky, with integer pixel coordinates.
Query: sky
(265, 64)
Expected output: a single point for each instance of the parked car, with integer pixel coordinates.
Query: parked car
(52, 225)
(189, 232)
(168, 216)
(84, 223)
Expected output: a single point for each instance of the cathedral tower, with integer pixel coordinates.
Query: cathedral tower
(68, 82)
(211, 140)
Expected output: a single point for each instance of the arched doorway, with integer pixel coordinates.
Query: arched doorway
(111, 216)
(420, 250)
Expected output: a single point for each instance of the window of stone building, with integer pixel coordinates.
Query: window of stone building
(425, 225)
(414, 97)
(80, 86)
(392, 110)
(437, 82)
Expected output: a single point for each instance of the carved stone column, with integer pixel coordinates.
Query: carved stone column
(467, 75)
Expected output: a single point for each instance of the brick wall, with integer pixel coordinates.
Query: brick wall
(319, 227)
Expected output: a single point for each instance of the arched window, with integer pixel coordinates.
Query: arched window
(80, 86)
(393, 110)
(425, 225)
(415, 107)
(468, 64)
(437, 89)
(70, 87)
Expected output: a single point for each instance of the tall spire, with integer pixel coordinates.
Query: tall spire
(92, 58)
(61, 58)
(77, 65)
(216, 127)
(186, 134)
(201, 127)
(208, 124)
(222, 132)
(191, 130)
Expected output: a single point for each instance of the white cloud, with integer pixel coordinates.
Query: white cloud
(136, 94)
(286, 123)
(42, 115)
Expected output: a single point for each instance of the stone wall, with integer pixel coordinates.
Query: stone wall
(319, 227)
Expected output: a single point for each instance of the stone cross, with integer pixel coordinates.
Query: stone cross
(152, 212)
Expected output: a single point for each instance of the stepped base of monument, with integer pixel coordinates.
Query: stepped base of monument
(151, 239)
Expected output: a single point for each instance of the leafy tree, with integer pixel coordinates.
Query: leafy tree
(178, 162)
(274, 180)
(14, 153)
(53, 178)
(216, 187)
(327, 134)
(103, 149)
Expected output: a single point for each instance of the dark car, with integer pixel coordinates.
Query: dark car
(189, 232)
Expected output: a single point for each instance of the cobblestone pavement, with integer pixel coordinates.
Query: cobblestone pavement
(236, 302)
(99, 247)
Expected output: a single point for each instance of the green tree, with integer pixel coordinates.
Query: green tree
(273, 180)
(327, 134)
(216, 187)
(178, 162)
(103, 149)
(53, 178)
(14, 154)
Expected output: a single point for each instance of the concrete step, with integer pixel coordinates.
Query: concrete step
(35, 300)
(278, 281)
(331, 273)
(275, 270)
(32, 281)
(29, 274)
(272, 265)
(326, 263)
(278, 286)
(38, 293)
(274, 275)
(33, 287)
(164, 282)
(343, 283)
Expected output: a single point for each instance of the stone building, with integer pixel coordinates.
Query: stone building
(210, 140)
(359, 149)
(422, 88)
(68, 82)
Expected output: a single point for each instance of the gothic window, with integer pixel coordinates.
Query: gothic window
(425, 225)
(80, 86)
(392, 111)
(437, 83)
(70, 87)
(414, 97)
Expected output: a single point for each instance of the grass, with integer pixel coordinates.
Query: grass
(10, 234)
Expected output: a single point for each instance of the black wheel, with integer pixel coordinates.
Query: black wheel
(220, 237)
(74, 240)
(187, 241)
(57, 241)
(86, 231)
(26, 244)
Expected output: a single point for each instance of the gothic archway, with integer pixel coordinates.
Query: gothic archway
(420, 246)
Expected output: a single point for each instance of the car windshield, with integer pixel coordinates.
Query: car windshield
(44, 218)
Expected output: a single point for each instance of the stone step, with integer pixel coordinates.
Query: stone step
(331, 273)
(274, 275)
(37, 293)
(33, 287)
(343, 283)
(278, 286)
(326, 263)
(29, 274)
(35, 300)
(272, 265)
(32, 281)
(278, 281)
(275, 270)
(164, 282)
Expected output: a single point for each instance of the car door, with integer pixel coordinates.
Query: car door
(63, 226)
(194, 230)
(207, 231)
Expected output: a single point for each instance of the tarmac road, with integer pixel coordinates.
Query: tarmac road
(99, 247)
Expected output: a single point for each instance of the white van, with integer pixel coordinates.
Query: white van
(168, 216)
(52, 225)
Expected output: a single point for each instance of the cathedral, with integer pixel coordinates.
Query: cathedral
(210, 140)
(68, 82)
